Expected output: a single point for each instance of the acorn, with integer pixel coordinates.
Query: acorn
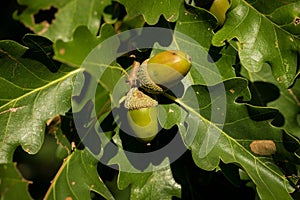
(219, 9)
(163, 70)
(141, 115)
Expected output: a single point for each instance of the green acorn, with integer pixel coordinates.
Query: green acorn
(142, 114)
(219, 9)
(163, 70)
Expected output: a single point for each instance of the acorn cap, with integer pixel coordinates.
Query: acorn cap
(145, 81)
(136, 99)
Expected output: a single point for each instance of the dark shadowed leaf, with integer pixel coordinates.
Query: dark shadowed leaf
(287, 102)
(77, 177)
(12, 185)
(40, 49)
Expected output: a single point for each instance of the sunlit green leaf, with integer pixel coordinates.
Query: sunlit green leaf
(260, 41)
(30, 94)
(69, 15)
(152, 10)
(229, 140)
(75, 51)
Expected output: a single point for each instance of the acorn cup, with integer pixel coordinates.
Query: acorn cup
(163, 71)
(141, 115)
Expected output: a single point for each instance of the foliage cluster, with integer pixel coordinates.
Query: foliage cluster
(245, 70)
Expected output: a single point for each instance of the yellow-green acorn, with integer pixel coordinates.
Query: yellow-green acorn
(163, 70)
(142, 114)
(219, 9)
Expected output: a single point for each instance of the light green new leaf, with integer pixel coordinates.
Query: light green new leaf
(260, 41)
(83, 42)
(152, 10)
(12, 185)
(30, 94)
(70, 15)
(77, 177)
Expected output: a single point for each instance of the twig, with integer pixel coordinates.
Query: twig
(294, 96)
(12, 110)
(132, 77)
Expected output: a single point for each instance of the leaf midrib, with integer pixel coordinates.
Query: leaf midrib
(273, 23)
(42, 87)
(224, 134)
